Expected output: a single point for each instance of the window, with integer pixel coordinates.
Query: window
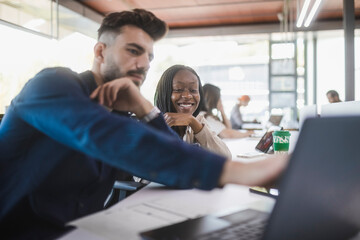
(25, 52)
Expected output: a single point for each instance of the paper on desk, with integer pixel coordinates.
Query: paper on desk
(125, 223)
(80, 234)
(160, 208)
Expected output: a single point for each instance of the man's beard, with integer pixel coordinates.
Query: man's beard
(113, 72)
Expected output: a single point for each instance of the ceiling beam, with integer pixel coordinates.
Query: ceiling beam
(252, 29)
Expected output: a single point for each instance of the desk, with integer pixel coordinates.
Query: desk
(156, 206)
(252, 126)
(238, 146)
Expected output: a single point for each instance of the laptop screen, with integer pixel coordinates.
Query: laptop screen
(275, 119)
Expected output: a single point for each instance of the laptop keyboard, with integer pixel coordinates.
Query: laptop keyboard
(244, 231)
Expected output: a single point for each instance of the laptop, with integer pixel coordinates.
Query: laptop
(306, 112)
(320, 193)
(349, 108)
(275, 120)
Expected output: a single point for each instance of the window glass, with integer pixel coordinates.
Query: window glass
(34, 15)
(237, 64)
(283, 100)
(282, 50)
(330, 65)
(286, 83)
(25, 54)
(300, 90)
(283, 66)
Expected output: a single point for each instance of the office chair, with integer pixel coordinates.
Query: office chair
(121, 190)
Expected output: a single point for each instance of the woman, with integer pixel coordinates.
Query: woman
(179, 95)
(222, 128)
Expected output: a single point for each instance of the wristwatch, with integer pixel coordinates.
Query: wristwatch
(151, 115)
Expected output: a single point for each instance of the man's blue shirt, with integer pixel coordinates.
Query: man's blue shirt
(61, 151)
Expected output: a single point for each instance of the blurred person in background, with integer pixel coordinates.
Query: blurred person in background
(333, 96)
(221, 126)
(236, 118)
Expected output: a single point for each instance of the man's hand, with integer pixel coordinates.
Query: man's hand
(183, 119)
(122, 95)
(259, 173)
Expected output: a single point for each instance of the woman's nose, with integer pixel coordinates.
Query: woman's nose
(186, 94)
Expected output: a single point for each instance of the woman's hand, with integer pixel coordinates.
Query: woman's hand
(249, 133)
(219, 106)
(183, 119)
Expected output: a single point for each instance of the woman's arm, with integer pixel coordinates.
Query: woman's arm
(231, 133)
(209, 140)
(225, 119)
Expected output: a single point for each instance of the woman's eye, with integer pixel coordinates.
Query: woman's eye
(177, 90)
(194, 91)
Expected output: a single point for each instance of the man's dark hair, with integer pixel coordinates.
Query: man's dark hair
(162, 98)
(333, 93)
(140, 18)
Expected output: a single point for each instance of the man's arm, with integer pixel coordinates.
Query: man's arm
(259, 173)
(123, 95)
(160, 124)
(56, 105)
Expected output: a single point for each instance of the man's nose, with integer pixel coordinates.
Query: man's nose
(143, 62)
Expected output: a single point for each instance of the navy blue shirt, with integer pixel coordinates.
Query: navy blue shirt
(61, 151)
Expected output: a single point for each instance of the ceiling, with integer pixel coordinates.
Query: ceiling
(210, 13)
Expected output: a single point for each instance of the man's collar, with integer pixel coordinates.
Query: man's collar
(88, 78)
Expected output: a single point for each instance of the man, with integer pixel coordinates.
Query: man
(236, 117)
(62, 149)
(333, 96)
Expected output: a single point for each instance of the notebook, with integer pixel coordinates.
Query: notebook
(320, 193)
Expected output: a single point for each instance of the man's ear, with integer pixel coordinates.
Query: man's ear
(99, 51)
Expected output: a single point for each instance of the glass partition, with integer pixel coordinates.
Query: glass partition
(28, 48)
(37, 16)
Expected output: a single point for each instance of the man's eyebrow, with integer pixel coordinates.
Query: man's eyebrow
(136, 46)
(140, 48)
